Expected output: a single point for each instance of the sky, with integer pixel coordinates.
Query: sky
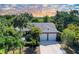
(56, 6)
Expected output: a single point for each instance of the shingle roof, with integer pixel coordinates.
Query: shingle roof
(46, 27)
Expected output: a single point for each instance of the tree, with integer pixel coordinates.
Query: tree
(70, 34)
(77, 38)
(35, 20)
(9, 37)
(62, 19)
(68, 37)
(72, 27)
(22, 19)
(59, 20)
(46, 19)
(74, 12)
(35, 32)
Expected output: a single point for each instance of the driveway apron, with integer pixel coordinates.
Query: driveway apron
(51, 47)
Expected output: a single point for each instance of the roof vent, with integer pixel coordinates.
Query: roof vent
(48, 28)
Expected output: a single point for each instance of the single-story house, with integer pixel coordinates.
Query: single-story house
(49, 31)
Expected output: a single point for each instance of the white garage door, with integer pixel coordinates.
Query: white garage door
(52, 37)
(43, 37)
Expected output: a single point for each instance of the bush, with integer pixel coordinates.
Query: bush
(2, 51)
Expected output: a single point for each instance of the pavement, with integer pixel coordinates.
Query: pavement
(51, 47)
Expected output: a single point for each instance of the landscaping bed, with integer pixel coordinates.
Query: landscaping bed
(26, 50)
(68, 49)
(30, 50)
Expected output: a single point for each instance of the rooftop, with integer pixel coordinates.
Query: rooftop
(46, 27)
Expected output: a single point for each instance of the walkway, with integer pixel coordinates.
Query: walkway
(50, 47)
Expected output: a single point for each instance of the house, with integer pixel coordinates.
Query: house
(49, 31)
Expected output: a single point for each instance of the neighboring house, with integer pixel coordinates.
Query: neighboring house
(49, 31)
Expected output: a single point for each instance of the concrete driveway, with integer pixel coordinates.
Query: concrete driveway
(51, 47)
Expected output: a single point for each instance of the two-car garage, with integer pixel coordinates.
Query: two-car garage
(46, 37)
(48, 31)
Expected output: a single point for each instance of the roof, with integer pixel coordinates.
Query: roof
(46, 27)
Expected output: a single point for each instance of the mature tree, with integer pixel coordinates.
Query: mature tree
(68, 37)
(9, 37)
(59, 20)
(22, 19)
(70, 34)
(74, 12)
(62, 19)
(46, 19)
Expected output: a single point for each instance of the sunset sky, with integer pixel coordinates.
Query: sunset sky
(56, 6)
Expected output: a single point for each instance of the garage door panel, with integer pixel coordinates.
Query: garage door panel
(52, 37)
(43, 37)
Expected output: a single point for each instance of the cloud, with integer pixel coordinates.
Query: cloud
(54, 6)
